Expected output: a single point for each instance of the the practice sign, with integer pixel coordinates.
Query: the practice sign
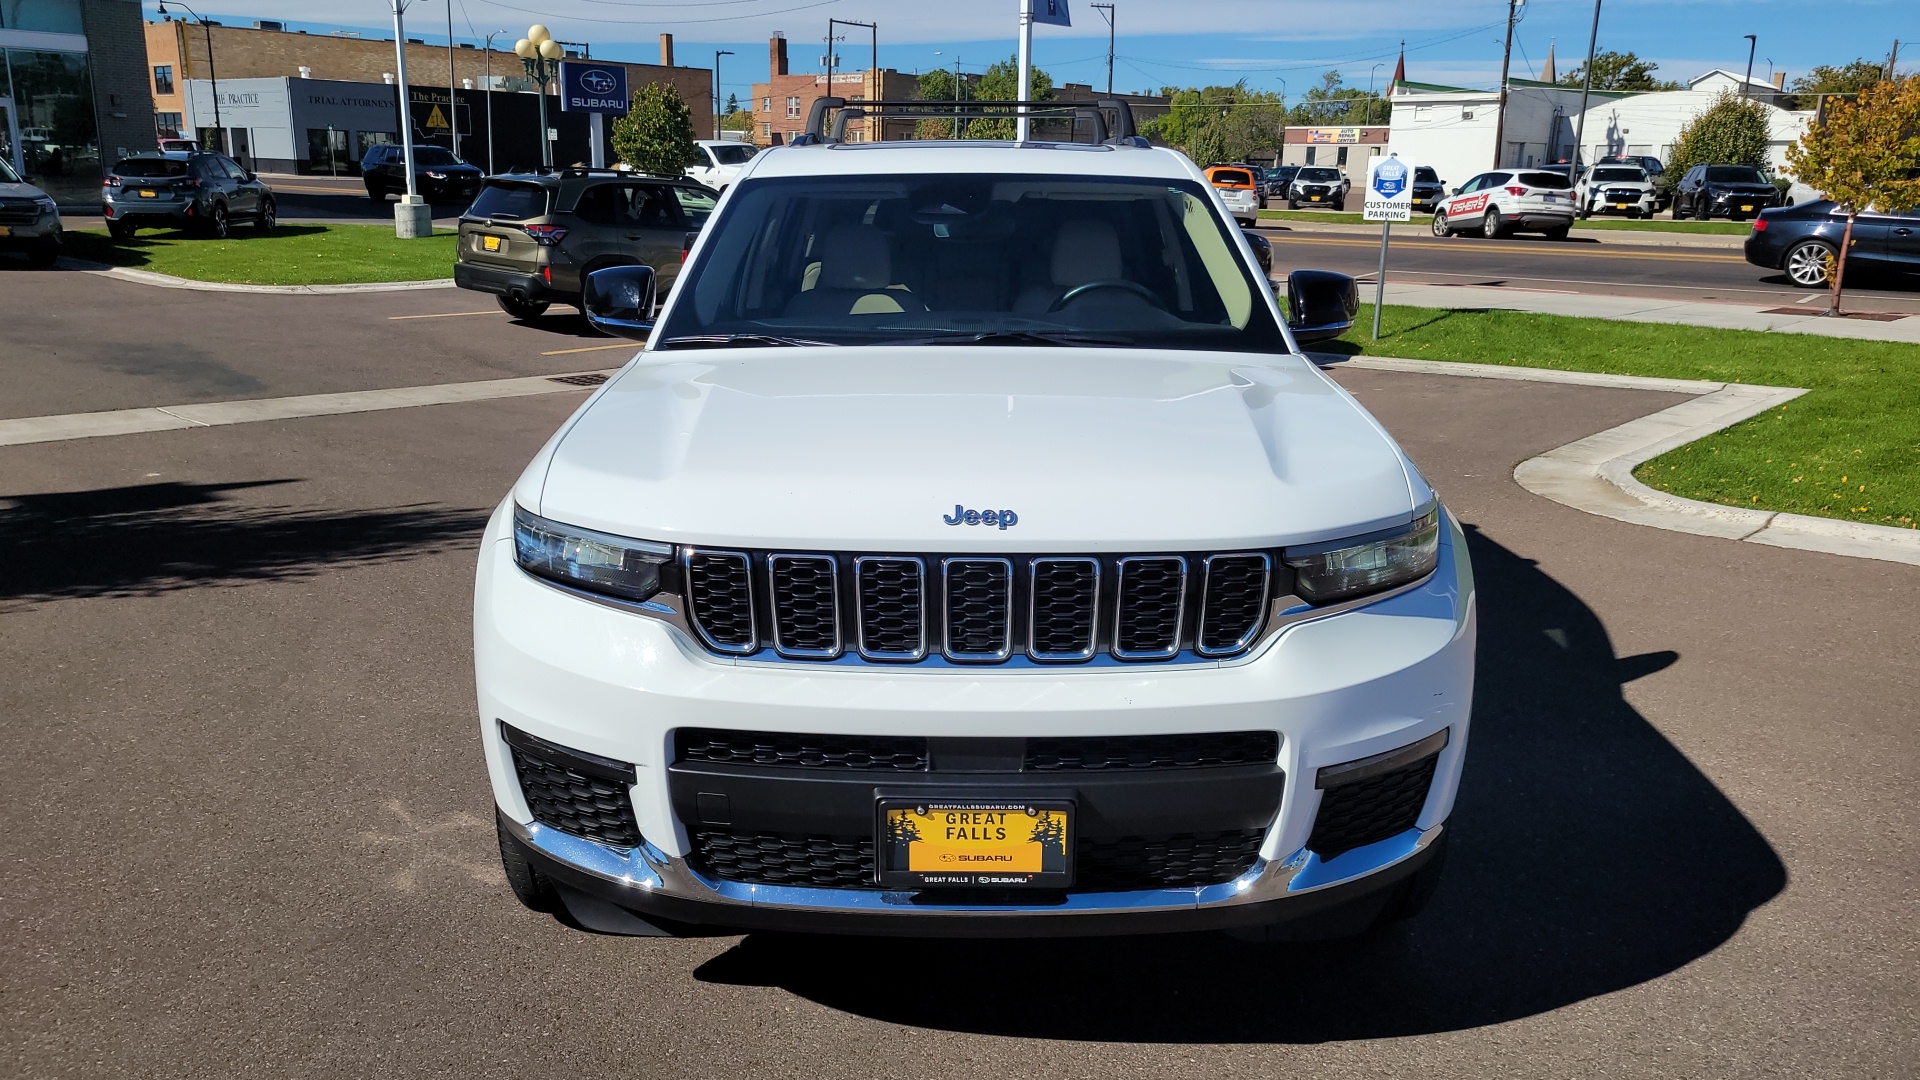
(1389, 194)
(586, 87)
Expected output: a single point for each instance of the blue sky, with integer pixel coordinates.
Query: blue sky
(1279, 45)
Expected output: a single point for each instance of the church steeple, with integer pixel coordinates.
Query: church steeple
(1546, 70)
(1400, 69)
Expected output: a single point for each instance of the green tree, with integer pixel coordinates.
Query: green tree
(1850, 78)
(656, 135)
(1002, 83)
(733, 105)
(938, 85)
(1731, 131)
(1333, 104)
(1867, 153)
(1220, 123)
(1619, 71)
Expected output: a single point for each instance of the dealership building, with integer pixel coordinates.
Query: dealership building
(71, 91)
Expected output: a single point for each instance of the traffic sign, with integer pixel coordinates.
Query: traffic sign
(586, 87)
(1389, 193)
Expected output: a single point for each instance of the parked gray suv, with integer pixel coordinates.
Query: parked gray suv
(530, 239)
(29, 220)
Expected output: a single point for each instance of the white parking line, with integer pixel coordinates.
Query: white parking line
(65, 426)
(444, 315)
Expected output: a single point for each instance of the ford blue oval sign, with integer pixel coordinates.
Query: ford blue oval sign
(593, 88)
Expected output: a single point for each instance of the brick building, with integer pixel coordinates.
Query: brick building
(782, 104)
(177, 51)
(72, 91)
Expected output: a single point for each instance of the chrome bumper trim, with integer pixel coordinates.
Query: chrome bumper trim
(648, 868)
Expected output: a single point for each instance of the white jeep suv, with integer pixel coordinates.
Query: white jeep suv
(972, 551)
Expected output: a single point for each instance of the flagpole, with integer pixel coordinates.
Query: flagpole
(1026, 68)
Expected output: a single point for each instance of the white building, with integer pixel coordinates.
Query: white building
(1452, 128)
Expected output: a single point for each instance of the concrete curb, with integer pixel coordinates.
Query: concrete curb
(168, 281)
(1605, 237)
(1595, 474)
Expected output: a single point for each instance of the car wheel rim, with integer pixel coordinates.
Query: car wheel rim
(1492, 224)
(1808, 265)
(1439, 224)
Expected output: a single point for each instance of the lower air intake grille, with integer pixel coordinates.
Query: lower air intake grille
(1122, 752)
(1368, 811)
(572, 797)
(720, 594)
(826, 862)
(880, 754)
(1164, 862)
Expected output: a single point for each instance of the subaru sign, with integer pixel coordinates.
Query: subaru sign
(1389, 194)
(586, 87)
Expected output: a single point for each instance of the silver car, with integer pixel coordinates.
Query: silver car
(29, 220)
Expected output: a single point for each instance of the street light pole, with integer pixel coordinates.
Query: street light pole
(488, 46)
(412, 217)
(717, 54)
(540, 55)
(213, 76)
(1746, 88)
(1586, 89)
(1106, 12)
(1370, 77)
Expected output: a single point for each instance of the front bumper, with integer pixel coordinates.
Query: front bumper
(1740, 206)
(1369, 681)
(44, 229)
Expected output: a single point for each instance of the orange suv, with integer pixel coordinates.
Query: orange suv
(1239, 189)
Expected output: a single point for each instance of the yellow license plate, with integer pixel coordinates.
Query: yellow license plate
(149, 194)
(975, 844)
(1746, 208)
(490, 243)
(1619, 206)
(1315, 198)
(6, 230)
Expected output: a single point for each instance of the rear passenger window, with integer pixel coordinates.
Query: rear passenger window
(695, 205)
(1551, 181)
(596, 205)
(515, 202)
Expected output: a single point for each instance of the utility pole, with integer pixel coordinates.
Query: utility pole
(1506, 58)
(1892, 58)
(874, 27)
(717, 54)
(1746, 88)
(1106, 12)
(1580, 122)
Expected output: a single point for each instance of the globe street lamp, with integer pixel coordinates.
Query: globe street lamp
(540, 55)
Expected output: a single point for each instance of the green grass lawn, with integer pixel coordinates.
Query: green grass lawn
(290, 255)
(1659, 225)
(1848, 449)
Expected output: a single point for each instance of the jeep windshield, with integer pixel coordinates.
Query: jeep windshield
(1318, 176)
(1000, 259)
(1619, 176)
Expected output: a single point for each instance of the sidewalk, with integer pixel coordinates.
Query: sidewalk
(1654, 310)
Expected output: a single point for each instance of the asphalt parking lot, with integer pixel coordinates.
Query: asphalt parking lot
(250, 828)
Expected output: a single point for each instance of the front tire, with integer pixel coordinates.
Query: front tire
(1703, 211)
(376, 194)
(1809, 264)
(1340, 204)
(1491, 226)
(524, 310)
(531, 887)
(45, 253)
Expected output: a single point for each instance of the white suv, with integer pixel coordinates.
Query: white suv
(1616, 189)
(1507, 201)
(719, 162)
(972, 550)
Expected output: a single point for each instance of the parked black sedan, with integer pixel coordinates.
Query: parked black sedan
(1735, 192)
(1804, 242)
(438, 175)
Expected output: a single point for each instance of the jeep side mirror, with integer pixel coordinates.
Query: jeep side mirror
(619, 301)
(1321, 305)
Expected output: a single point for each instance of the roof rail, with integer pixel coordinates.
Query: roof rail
(1121, 132)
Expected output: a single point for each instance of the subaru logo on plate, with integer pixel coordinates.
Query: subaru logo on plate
(1390, 178)
(597, 81)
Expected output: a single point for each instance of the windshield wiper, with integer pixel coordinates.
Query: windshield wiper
(1013, 337)
(735, 341)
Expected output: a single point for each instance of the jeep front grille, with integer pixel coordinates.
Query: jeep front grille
(1042, 609)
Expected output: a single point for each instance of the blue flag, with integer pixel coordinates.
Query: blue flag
(1051, 11)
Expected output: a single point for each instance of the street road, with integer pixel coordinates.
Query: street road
(1579, 265)
(249, 831)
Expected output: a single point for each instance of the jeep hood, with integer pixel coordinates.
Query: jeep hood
(874, 449)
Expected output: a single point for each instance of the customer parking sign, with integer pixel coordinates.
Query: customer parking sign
(1389, 194)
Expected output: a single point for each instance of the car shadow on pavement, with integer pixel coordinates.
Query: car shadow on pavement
(148, 539)
(1589, 855)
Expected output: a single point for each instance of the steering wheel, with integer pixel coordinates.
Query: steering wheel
(1108, 283)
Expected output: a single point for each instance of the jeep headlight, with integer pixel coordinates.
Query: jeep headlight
(1325, 573)
(617, 566)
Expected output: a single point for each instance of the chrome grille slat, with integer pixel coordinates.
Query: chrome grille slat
(891, 607)
(1233, 602)
(806, 605)
(1063, 608)
(1149, 607)
(978, 602)
(720, 599)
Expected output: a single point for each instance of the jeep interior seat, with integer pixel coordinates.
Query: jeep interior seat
(1084, 250)
(855, 269)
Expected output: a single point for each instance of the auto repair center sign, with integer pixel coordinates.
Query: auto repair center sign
(587, 87)
(1389, 194)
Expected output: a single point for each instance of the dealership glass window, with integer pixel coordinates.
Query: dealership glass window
(52, 16)
(53, 104)
(163, 78)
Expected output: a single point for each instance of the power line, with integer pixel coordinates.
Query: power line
(658, 21)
